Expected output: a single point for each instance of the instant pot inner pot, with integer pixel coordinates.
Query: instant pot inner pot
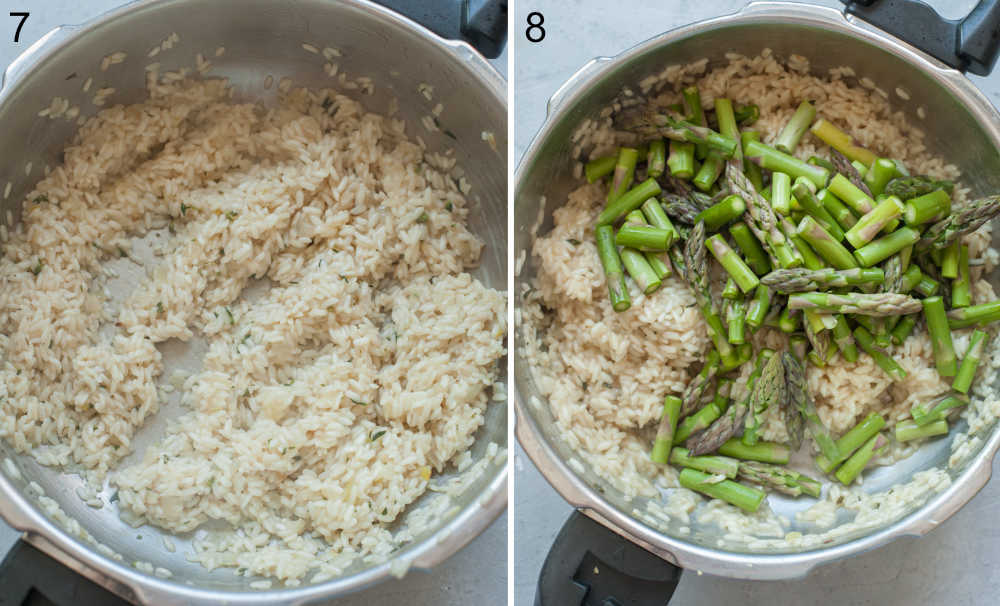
(952, 133)
(263, 38)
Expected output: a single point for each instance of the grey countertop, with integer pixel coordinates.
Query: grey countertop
(955, 564)
(458, 581)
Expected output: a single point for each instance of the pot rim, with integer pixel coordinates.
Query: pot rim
(130, 583)
(572, 487)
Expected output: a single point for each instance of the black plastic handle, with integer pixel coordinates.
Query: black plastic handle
(28, 577)
(481, 23)
(588, 565)
(968, 44)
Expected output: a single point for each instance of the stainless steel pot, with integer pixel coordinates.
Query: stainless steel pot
(261, 38)
(961, 125)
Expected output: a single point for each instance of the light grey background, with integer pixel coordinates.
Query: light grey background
(954, 565)
(476, 574)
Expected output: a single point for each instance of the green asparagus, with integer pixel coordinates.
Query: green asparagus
(967, 369)
(801, 280)
(666, 429)
(608, 252)
(937, 326)
(875, 304)
(744, 497)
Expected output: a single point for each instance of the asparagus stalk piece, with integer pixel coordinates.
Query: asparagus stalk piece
(816, 333)
(961, 293)
(852, 440)
(666, 429)
(825, 245)
(730, 290)
(681, 160)
(726, 118)
(838, 210)
(640, 270)
(781, 479)
(800, 399)
(880, 172)
(657, 217)
(698, 421)
(903, 329)
(820, 161)
(927, 286)
(788, 321)
(963, 220)
(608, 252)
(656, 161)
(967, 369)
(716, 465)
(729, 209)
(629, 201)
(747, 115)
(875, 304)
(802, 280)
(804, 193)
(765, 452)
(768, 390)
(935, 410)
(697, 386)
(866, 342)
(752, 171)
(851, 195)
(907, 188)
(868, 226)
(908, 430)
(736, 317)
(744, 497)
(710, 170)
(772, 159)
(624, 172)
(753, 252)
(886, 246)
(599, 168)
(982, 314)
(781, 192)
(761, 219)
(852, 468)
(854, 171)
(758, 306)
(949, 260)
(911, 277)
(932, 206)
(726, 426)
(644, 237)
(732, 263)
(844, 339)
(842, 142)
(797, 126)
(937, 326)
(658, 261)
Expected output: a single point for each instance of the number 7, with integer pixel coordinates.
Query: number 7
(24, 17)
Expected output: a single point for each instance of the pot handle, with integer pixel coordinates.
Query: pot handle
(481, 23)
(27, 572)
(970, 44)
(589, 565)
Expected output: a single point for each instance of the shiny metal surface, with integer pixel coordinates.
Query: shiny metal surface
(969, 136)
(261, 38)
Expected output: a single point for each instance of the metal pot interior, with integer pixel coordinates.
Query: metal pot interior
(955, 130)
(264, 38)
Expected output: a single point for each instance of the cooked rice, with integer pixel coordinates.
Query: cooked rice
(604, 374)
(323, 405)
